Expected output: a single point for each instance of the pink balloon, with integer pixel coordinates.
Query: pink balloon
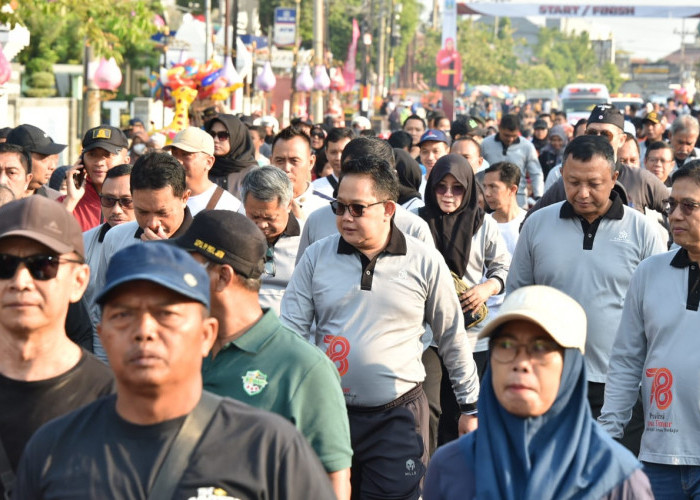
(108, 76)
(5, 68)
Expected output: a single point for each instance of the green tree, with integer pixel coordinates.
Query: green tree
(59, 28)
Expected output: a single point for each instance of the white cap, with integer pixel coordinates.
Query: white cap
(554, 311)
(193, 140)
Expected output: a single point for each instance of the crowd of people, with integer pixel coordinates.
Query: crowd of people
(317, 312)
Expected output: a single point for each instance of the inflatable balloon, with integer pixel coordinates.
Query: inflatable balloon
(305, 82)
(5, 68)
(266, 80)
(211, 78)
(184, 96)
(108, 76)
(321, 81)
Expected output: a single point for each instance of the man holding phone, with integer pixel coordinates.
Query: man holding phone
(104, 147)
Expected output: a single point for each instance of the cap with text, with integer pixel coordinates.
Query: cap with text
(159, 263)
(226, 237)
(554, 311)
(109, 138)
(44, 221)
(653, 117)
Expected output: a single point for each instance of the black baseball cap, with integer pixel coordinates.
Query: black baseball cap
(540, 123)
(606, 113)
(227, 237)
(108, 138)
(34, 140)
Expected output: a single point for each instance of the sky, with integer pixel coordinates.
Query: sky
(645, 38)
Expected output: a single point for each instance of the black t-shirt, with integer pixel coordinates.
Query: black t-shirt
(26, 406)
(244, 453)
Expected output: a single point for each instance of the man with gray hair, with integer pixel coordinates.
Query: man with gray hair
(267, 195)
(683, 137)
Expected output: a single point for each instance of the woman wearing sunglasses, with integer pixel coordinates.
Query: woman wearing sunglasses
(234, 152)
(474, 250)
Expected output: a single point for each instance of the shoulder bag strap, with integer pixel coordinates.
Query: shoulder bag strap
(178, 456)
(7, 475)
(214, 198)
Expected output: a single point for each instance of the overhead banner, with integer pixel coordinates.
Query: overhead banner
(575, 10)
(448, 60)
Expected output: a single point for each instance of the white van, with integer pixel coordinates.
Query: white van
(578, 99)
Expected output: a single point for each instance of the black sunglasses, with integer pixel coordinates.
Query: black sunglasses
(110, 201)
(320, 135)
(41, 267)
(605, 133)
(221, 135)
(456, 189)
(356, 210)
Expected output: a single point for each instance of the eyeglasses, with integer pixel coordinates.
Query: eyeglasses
(41, 267)
(657, 160)
(318, 135)
(605, 133)
(222, 135)
(270, 268)
(687, 206)
(505, 350)
(356, 210)
(110, 201)
(456, 189)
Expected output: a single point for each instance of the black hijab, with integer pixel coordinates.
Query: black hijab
(242, 153)
(409, 175)
(453, 232)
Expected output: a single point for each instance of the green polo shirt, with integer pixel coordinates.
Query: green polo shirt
(272, 368)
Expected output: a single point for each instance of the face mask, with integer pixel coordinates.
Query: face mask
(138, 148)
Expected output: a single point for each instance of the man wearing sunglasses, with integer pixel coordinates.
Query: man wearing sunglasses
(642, 188)
(42, 373)
(588, 247)
(117, 208)
(657, 345)
(370, 289)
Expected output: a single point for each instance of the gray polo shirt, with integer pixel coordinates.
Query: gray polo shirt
(657, 345)
(370, 314)
(593, 263)
(284, 257)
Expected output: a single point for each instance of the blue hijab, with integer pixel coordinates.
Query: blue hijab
(562, 454)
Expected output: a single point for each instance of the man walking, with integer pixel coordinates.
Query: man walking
(161, 436)
(43, 374)
(370, 289)
(588, 247)
(656, 346)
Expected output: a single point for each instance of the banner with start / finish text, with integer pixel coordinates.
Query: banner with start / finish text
(622, 9)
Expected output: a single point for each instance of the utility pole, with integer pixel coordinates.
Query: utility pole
(319, 22)
(91, 94)
(381, 49)
(295, 63)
